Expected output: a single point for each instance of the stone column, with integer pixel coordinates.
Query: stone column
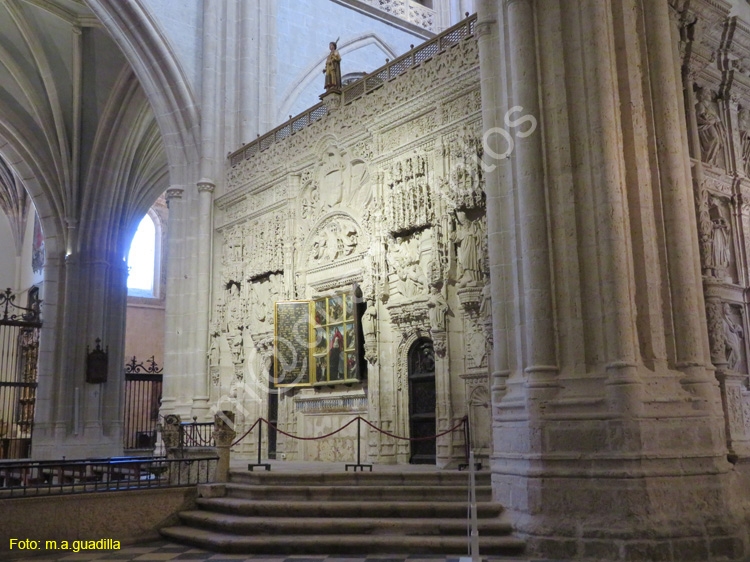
(174, 399)
(590, 460)
(205, 230)
(679, 216)
(540, 357)
(497, 175)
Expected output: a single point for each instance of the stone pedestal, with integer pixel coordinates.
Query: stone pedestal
(223, 435)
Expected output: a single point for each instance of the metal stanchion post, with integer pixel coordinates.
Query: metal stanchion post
(359, 448)
(267, 466)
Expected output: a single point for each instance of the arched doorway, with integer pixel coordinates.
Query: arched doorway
(422, 401)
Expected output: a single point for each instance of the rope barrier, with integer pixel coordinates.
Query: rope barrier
(269, 424)
(247, 432)
(454, 428)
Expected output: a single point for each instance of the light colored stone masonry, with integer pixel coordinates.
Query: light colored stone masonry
(389, 187)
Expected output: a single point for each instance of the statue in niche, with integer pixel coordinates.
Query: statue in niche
(369, 319)
(485, 304)
(476, 346)
(235, 341)
(721, 249)
(437, 308)
(213, 350)
(468, 239)
(706, 232)
(234, 305)
(333, 68)
(744, 127)
(734, 339)
(711, 130)
(409, 280)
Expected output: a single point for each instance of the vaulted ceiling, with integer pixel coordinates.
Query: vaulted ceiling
(76, 129)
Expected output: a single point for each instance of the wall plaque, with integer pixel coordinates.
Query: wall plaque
(292, 337)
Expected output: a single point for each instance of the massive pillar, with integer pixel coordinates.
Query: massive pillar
(607, 421)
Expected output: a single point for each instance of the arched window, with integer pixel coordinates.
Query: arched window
(142, 260)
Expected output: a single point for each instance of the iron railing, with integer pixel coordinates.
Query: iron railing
(143, 387)
(194, 434)
(22, 478)
(19, 350)
(370, 82)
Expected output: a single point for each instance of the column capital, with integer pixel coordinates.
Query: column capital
(174, 193)
(205, 184)
(484, 27)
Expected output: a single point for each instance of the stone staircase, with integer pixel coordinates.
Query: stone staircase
(344, 513)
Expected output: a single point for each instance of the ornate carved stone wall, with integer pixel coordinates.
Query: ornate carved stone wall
(714, 51)
(385, 192)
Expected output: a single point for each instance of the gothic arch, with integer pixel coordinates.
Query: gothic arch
(401, 383)
(163, 80)
(312, 72)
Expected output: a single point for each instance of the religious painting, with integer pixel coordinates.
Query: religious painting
(321, 340)
(320, 312)
(336, 308)
(336, 351)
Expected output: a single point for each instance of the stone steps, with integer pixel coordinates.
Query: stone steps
(434, 478)
(338, 544)
(416, 526)
(344, 513)
(427, 509)
(349, 493)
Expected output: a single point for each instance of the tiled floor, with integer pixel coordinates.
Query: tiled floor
(162, 550)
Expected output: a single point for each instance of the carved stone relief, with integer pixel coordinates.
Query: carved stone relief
(469, 239)
(372, 196)
(734, 339)
(336, 238)
(744, 129)
(479, 413)
(263, 292)
(721, 248)
(711, 129)
(716, 331)
(464, 186)
(408, 198)
(407, 267)
(264, 244)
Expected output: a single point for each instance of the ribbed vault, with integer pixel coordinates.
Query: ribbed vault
(14, 202)
(72, 109)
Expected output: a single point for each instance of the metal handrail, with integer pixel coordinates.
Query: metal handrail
(368, 83)
(196, 434)
(34, 478)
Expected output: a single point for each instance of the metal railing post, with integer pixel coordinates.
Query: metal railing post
(267, 466)
(359, 450)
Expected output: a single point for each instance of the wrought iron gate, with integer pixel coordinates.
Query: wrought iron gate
(19, 349)
(143, 382)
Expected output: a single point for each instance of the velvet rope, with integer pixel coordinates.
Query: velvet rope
(376, 428)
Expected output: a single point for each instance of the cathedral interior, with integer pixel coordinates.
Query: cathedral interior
(512, 227)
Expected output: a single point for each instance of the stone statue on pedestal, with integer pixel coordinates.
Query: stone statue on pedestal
(333, 69)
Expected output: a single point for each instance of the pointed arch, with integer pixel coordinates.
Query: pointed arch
(312, 72)
(163, 80)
